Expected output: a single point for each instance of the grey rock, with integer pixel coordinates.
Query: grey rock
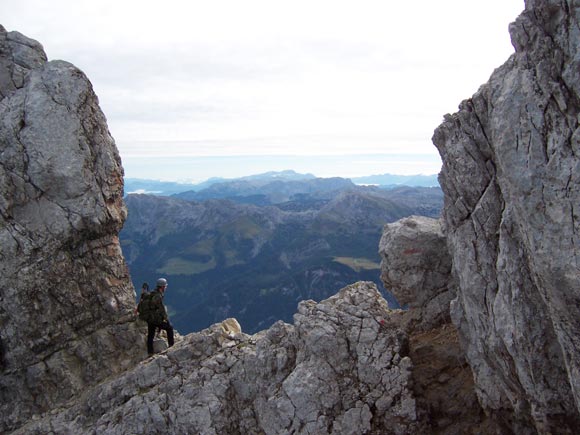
(64, 286)
(18, 55)
(416, 268)
(348, 365)
(511, 172)
(338, 370)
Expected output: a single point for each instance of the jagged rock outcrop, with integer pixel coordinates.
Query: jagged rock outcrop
(341, 369)
(18, 55)
(511, 173)
(64, 286)
(416, 268)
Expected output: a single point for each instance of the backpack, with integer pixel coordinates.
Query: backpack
(150, 308)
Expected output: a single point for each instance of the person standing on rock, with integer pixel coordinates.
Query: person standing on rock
(152, 310)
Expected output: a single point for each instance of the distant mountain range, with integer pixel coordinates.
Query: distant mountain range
(168, 188)
(390, 180)
(270, 191)
(270, 244)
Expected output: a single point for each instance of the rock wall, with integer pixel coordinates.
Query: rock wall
(65, 292)
(511, 173)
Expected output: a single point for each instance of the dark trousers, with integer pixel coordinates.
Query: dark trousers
(152, 328)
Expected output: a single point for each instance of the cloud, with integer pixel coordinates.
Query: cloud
(330, 76)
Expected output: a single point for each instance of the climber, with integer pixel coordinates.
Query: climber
(152, 310)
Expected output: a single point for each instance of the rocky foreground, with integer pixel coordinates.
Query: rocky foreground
(344, 367)
(340, 369)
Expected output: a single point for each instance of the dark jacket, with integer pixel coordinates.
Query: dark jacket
(160, 310)
(151, 308)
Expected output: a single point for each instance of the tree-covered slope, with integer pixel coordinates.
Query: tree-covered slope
(227, 259)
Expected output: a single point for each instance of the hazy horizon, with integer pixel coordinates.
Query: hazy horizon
(194, 169)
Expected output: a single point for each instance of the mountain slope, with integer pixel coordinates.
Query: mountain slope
(225, 259)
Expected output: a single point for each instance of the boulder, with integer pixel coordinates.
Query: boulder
(416, 268)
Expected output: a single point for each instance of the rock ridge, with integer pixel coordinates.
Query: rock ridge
(342, 368)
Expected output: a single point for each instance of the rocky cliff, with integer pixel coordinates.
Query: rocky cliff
(511, 173)
(64, 286)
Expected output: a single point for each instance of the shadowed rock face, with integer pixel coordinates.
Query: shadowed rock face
(511, 172)
(64, 285)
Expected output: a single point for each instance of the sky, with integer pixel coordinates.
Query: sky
(335, 88)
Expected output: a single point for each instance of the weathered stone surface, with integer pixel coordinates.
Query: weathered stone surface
(18, 55)
(338, 370)
(416, 268)
(511, 172)
(65, 292)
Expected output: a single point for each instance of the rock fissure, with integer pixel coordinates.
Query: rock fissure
(482, 126)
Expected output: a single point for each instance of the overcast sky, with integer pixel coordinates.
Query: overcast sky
(202, 78)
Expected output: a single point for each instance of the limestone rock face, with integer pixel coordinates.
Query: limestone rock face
(64, 286)
(511, 173)
(416, 268)
(339, 370)
(18, 55)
